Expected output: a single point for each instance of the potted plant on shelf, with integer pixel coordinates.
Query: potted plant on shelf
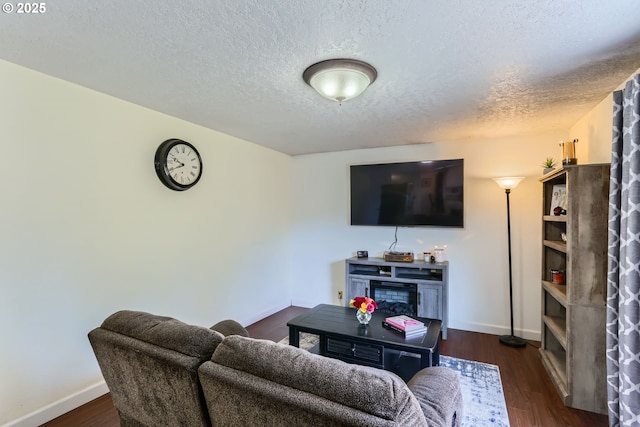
(548, 165)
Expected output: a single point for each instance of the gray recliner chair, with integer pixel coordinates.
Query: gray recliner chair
(150, 364)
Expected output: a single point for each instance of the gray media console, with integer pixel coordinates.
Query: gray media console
(415, 288)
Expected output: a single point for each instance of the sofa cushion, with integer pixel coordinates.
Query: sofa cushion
(438, 391)
(372, 391)
(166, 332)
(150, 364)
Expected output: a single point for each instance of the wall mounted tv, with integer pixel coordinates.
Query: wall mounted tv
(411, 194)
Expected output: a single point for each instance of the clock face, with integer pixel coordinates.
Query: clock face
(178, 164)
(183, 164)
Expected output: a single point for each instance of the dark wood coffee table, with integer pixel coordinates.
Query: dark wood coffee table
(342, 337)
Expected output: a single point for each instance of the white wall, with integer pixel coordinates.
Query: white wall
(87, 229)
(479, 284)
(594, 131)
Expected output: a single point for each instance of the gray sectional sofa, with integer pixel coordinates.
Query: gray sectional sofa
(162, 372)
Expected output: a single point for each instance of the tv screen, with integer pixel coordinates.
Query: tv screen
(425, 193)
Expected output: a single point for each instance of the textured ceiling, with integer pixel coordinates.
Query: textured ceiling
(447, 69)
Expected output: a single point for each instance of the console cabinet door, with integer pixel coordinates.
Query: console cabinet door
(357, 288)
(430, 301)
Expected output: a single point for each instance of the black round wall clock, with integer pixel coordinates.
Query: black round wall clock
(178, 164)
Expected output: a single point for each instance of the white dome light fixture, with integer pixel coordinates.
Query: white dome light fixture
(340, 79)
(508, 182)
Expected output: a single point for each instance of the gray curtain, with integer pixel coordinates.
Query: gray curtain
(623, 281)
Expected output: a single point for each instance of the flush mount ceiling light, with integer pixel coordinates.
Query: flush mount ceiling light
(340, 79)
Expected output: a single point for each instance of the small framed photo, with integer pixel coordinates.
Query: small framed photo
(558, 198)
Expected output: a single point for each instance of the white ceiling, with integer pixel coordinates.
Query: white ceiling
(447, 69)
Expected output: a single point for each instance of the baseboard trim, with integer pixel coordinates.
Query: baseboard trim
(484, 328)
(60, 407)
(261, 315)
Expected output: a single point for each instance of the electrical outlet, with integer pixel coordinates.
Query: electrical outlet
(339, 294)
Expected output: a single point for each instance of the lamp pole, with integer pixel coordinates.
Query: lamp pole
(508, 183)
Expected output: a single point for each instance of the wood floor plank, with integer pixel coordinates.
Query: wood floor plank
(99, 412)
(529, 393)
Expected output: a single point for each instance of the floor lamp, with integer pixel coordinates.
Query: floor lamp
(509, 183)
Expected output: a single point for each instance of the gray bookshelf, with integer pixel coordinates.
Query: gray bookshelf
(574, 312)
(431, 282)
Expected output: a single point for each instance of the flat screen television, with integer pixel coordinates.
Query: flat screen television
(412, 194)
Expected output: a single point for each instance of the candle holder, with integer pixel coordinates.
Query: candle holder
(569, 152)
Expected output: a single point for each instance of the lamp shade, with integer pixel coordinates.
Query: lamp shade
(508, 182)
(340, 79)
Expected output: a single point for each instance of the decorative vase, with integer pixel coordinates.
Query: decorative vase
(363, 317)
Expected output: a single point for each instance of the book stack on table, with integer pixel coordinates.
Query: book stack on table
(408, 326)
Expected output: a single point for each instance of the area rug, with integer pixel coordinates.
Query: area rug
(482, 394)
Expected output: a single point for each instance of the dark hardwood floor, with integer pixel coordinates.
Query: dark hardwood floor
(531, 398)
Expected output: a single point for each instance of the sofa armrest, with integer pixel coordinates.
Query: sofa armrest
(230, 327)
(438, 392)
